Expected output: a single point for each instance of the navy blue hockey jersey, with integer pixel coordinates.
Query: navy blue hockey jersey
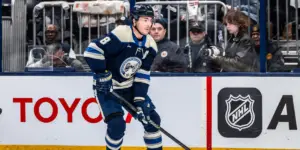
(128, 58)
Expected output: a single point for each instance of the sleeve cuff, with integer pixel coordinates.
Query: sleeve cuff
(138, 99)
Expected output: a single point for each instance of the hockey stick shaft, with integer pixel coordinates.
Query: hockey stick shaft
(134, 109)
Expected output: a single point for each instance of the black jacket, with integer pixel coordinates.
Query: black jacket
(198, 61)
(275, 61)
(169, 58)
(240, 55)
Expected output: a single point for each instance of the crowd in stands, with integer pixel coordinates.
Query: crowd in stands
(204, 49)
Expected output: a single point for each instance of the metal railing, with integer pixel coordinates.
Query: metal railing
(67, 7)
(278, 14)
(41, 6)
(185, 3)
(287, 29)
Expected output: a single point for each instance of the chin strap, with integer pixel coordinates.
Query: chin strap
(138, 30)
(135, 26)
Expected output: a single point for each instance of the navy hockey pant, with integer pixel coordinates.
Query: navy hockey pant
(113, 114)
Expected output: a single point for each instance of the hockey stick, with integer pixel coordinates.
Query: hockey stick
(133, 109)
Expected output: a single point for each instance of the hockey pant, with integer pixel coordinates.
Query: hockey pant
(113, 117)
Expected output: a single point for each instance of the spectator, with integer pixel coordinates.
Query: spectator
(280, 13)
(169, 57)
(197, 49)
(60, 54)
(249, 8)
(275, 61)
(240, 50)
(214, 28)
(161, 11)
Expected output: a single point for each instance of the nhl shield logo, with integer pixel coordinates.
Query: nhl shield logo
(239, 113)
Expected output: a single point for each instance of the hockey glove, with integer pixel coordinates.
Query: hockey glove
(103, 82)
(143, 111)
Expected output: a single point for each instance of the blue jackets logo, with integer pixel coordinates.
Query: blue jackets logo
(237, 109)
(130, 66)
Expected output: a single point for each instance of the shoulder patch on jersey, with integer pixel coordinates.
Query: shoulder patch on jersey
(130, 66)
(151, 43)
(123, 33)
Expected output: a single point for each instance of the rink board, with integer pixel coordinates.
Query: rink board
(272, 125)
(37, 112)
(33, 147)
(37, 107)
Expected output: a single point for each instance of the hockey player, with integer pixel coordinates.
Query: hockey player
(121, 61)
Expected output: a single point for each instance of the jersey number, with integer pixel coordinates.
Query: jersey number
(105, 40)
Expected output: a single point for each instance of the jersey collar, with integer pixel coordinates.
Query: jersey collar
(136, 41)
